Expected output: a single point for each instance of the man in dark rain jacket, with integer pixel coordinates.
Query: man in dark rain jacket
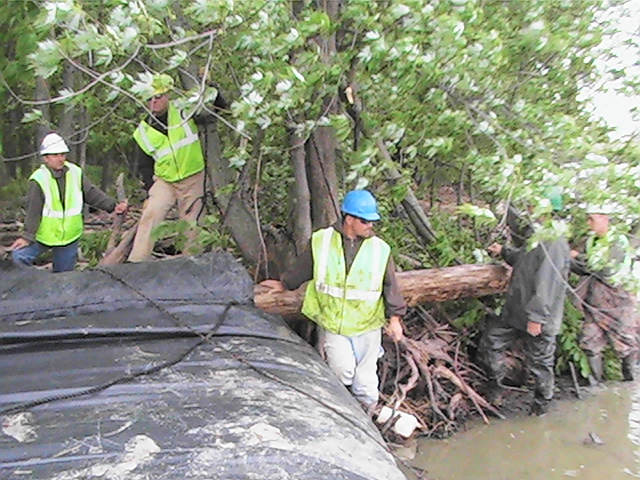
(532, 312)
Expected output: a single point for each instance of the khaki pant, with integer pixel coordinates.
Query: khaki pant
(189, 193)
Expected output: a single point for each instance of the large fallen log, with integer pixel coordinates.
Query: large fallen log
(418, 286)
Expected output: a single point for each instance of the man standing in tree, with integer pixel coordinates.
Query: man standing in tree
(171, 164)
(57, 193)
(608, 307)
(353, 290)
(532, 312)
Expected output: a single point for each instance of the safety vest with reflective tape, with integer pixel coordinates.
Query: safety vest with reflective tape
(599, 258)
(346, 304)
(178, 154)
(60, 224)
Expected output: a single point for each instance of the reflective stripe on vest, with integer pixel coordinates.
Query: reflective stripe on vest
(178, 154)
(370, 295)
(599, 257)
(346, 304)
(60, 225)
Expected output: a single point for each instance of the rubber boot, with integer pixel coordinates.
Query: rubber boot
(628, 363)
(494, 393)
(540, 406)
(595, 364)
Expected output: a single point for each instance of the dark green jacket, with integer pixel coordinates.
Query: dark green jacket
(538, 285)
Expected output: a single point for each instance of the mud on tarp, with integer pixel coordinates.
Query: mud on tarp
(165, 370)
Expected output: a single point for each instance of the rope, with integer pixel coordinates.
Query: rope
(204, 338)
(122, 379)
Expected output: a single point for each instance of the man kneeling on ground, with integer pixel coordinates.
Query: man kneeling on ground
(57, 193)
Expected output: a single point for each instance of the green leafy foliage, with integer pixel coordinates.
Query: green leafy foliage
(93, 246)
(188, 237)
(483, 93)
(568, 347)
(472, 313)
(483, 216)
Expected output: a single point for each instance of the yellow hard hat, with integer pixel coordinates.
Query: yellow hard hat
(161, 83)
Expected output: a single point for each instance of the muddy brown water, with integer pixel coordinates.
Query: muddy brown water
(597, 438)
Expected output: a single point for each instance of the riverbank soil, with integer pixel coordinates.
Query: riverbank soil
(516, 401)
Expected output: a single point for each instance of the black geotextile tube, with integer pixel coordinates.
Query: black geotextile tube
(216, 278)
(166, 370)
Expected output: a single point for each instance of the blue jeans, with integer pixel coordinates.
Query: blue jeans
(64, 258)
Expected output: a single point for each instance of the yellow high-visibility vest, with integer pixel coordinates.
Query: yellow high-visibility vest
(60, 225)
(346, 304)
(177, 155)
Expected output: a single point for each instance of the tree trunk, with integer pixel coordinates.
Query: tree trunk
(322, 145)
(106, 179)
(418, 286)
(236, 214)
(410, 202)
(42, 95)
(322, 178)
(82, 146)
(67, 118)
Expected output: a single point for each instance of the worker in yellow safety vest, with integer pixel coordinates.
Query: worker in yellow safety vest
(58, 191)
(170, 162)
(352, 292)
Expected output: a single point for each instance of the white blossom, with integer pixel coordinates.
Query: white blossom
(284, 86)
(254, 98)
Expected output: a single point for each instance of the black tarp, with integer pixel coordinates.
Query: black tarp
(166, 370)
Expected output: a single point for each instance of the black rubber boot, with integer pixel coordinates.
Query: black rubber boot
(595, 364)
(628, 364)
(540, 406)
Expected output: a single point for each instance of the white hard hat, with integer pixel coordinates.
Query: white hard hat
(52, 144)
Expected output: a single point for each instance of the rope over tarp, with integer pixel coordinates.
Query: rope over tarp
(167, 370)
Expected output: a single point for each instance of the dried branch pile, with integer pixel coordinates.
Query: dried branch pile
(431, 376)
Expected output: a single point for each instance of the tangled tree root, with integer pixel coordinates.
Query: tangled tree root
(430, 376)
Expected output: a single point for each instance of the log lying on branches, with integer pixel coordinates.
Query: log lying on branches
(429, 374)
(418, 286)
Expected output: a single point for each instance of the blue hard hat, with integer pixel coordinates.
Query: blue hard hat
(361, 204)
